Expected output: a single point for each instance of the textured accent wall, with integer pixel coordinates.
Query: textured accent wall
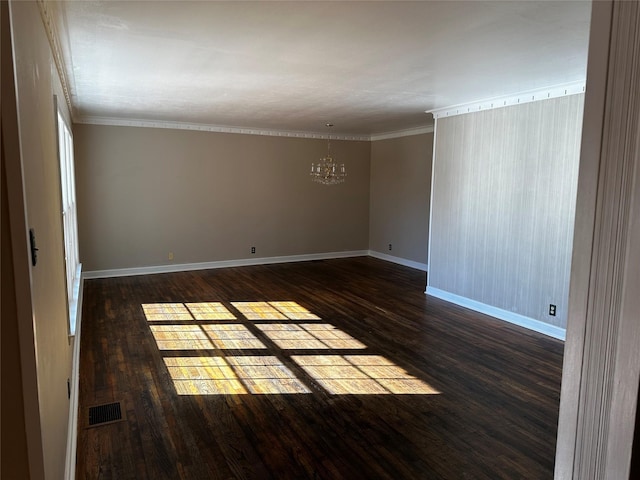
(145, 192)
(504, 192)
(400, 195)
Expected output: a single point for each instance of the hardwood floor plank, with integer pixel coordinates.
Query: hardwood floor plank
(171, 348)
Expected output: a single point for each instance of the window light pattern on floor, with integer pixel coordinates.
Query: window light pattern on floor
(294, 311)
(232, 337)
(181, 337)
(361, 374)
(186, 311)
(232, 375)
(211, 350)
(198, 337)
(203, 376)
(166, 311)
(210, 311)
(259, 311)
(290, 336)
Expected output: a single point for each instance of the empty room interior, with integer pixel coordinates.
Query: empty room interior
(324, 240)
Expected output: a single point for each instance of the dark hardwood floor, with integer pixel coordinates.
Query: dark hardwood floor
(360, 375)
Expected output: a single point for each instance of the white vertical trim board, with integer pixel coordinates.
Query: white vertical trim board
(601, 367)
(72, 429)
(511, 317)
(433, 179)
(76, 302)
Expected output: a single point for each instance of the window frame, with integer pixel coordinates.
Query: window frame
(68, 217)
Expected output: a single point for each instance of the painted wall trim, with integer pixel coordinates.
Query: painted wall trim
(516, 319)
(76, 302)
(72, 429)
(400, 261)
(185, 267)
(433, 179)
(402, 133)
(54, 42)
(601, 366)
(515, 99)
(201, 127)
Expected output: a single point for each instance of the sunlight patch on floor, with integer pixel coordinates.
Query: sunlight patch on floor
(203, 376)
(180, 337)
(294, 311)
(210, 311)
(309, 336)
(156, 312)
(227, 369)
(166, 311)
(227, 336)
(232, 375)
(258, 311)
(266, 374)
(361, 374)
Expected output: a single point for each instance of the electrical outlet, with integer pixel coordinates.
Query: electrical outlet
(170, 255)
(552, 310)
(390, 248)
(253, 249)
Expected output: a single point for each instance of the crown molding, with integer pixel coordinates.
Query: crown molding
(46, 14)
(402, 133)
(515, 99)
(200, 127)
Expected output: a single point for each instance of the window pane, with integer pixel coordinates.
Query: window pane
(69, 216)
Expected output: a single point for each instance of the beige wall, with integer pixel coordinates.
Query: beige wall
(400, 195)
(504, 194)
(36, 84)
(204, 196)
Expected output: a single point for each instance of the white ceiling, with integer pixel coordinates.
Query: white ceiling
(367, 67)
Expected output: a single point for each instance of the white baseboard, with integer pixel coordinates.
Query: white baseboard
(185, 267)
(399, 260)
(72, 428)
(516, 319)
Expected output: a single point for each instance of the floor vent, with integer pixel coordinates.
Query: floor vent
(103, 414)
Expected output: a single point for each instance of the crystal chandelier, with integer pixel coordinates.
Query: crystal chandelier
(327, 171)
